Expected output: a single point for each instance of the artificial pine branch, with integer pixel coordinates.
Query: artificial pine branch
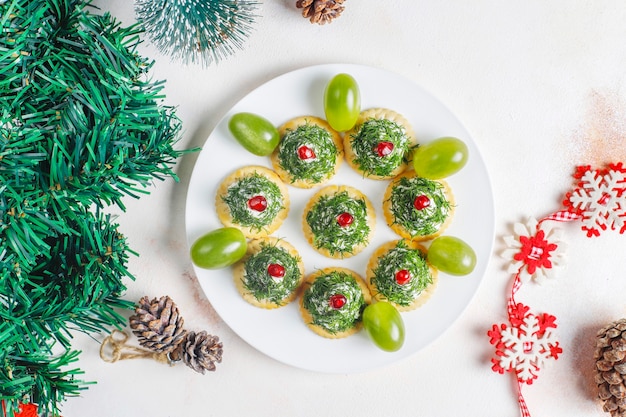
(81, 128)
(197, 31)
(43, 378)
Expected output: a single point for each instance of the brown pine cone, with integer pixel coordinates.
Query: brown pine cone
(610, 356)
(157, 324)
(199, 351)
(320, 11)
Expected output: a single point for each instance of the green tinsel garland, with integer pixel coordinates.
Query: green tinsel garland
(81, 127)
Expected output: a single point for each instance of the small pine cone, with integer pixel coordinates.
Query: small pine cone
(157, 324)
(610, 356)
(199, 351)
(320, 11)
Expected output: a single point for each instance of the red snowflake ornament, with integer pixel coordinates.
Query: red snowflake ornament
(599, 198)
(535, 252)
(525, 345)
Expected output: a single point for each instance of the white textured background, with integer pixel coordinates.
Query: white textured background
(540, 85)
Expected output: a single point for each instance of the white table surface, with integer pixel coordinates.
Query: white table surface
(541, 87)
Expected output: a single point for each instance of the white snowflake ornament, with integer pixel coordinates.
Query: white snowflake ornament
(526, 351)
(525, 345)
(600, 198)
(535, 250)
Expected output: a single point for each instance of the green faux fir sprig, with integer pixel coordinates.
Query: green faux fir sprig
(197, 31)
(81, 127)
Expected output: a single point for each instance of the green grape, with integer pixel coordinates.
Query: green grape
(451, 255)
(440, 158)
(255, 133)
(219, 248)
(384, 325)
(342, 102)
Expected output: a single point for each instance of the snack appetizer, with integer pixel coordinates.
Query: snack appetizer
(380, 144)
(309, 152)
(418, 208)
(338, 221)
(399, 273)
(270, 273)
(332, 302)
(253, 199)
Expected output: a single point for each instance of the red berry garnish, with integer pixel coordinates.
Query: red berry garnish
(384, 148)
(276, 270)
(337, 301)
(345, 219)
(421, 202)
(304, 152)
(257, 203)
(403, 276)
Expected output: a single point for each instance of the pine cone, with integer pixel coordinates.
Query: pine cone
(610, 356)
(157, 324)
(320, 11)
(199, 351)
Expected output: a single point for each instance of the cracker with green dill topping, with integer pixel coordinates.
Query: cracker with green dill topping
(309, 152)
(338, 221)
(270, 273)
(380, 144)
(418, 208)
(332, 302)
(253, 199)
(399, 273)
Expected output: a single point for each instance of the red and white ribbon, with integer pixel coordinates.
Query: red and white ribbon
(522, 346)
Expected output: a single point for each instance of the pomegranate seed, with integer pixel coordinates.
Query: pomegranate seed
(257, 203)
(276, 270)
(304, 152)
(337, 301)
(345, 219)
(421, 202)
(403, 276)
(384, 148)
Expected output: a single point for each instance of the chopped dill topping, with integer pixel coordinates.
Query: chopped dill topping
(320, 141)
(369, 135)
(251, 186)
(418, 222)
(328, 234)
(316, 301)
(260, 283)
(399, 258)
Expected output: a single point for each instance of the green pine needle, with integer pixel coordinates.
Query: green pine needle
(47, 387)
(81, 128)
(197, 31)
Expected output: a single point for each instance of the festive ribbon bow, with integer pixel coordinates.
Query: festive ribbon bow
(525, 344)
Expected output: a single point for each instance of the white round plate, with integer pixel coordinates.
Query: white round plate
(281, 333)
